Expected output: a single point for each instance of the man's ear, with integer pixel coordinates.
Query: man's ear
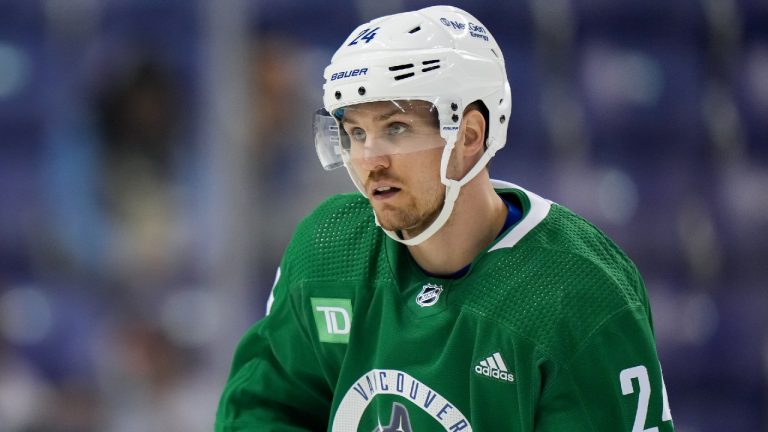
(474, 133)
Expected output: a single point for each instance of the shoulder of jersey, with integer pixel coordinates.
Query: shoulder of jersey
(339, 212)
(558, 284)
(340, 232)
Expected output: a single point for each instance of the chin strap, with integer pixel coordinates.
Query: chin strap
(452, 189)
(451, 193)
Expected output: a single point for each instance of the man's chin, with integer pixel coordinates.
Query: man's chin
(404, 230)
(409, 228)
(387, 222)
(388, 225)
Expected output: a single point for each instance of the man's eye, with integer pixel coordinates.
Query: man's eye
(396, 128)
(357, 134)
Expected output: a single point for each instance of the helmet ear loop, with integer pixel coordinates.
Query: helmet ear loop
(450, 134)
(451, 184)
(452, 187)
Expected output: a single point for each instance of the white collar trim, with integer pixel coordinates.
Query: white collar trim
(539, 210)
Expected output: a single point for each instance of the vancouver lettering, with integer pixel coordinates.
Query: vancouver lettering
(395, 382)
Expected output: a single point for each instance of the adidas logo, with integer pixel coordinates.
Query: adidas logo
(494, 367)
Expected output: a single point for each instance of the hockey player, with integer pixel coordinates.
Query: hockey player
(437, 298)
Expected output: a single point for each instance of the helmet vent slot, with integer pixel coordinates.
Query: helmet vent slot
(429, 65)
(430, 62)
(414, 30)
(401, 67)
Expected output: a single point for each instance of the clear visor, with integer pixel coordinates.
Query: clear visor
(376, 129)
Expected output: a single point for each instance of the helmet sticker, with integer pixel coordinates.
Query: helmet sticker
(475, 30)
(366, 35)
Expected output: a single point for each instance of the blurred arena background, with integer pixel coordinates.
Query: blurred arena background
(155, 156)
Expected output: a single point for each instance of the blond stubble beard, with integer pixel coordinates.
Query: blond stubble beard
(412, 218)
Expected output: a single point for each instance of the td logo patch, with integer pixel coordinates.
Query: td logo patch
(333, 318)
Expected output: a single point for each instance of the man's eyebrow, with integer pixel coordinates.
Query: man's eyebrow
(381, 117)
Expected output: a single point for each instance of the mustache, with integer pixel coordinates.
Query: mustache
(380, 177)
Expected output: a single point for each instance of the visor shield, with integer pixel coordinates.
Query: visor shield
(327, 140)
(376, 129)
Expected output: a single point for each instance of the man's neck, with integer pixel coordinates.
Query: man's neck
(476, 220)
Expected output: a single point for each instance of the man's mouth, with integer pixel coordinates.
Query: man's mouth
(384, 192)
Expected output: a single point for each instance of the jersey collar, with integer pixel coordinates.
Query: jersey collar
(535, 209)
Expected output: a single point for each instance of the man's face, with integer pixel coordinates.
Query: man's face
(395, 150)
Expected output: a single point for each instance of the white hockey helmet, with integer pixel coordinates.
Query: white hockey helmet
(441, 55)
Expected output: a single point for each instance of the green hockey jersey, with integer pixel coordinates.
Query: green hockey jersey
(549, 330)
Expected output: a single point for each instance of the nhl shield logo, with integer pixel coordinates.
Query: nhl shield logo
(429, 295)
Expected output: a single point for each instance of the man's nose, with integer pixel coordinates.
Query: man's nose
(374, 155)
